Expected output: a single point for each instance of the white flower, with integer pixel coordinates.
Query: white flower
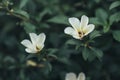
(80, 28)
(72, 76)
(36, 44)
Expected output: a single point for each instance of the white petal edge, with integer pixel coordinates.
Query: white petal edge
(40, 46)
(69, 30)
(41, 38)
(72, 32)
(26, 43)
(89, 29)
(33, 38)
(84, 21)
(70, 76)
(81, 76)
(30, 50)
(75, 22)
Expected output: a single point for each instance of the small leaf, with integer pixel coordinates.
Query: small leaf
(23, 3)
(42, 14)
(102, 15)
(95, 20)
(114, 5)
(59, 20)
(116, 35)
(85, 53)
(94, 34)
(28, 27)
(73, 42)
(114, 18)
(106, 28)
(21, 13)
(48, 67)
(52, 51)
(97, 52)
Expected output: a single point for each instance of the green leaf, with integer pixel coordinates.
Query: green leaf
(114, 18)
(85, 53)
(95, 20)
(22, 13)
(106, 28)
(52, 51)
(95, 34)
(73, 42)
(59, 20)
(42, 14)
(102, 15)
(114, 5)
(97, 52)
(23, 3)
(91, 56)
(47, 68)
(28, 27)
(116, 35)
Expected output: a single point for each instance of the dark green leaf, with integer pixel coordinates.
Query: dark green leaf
(97, 52)
(59, 20)
(114, 18)
(102, 15)
(116, 35)
(21, 13)
(85, 53)
(28, 27)
(23, 3)
(106, 28)
(95, 21)
(114, 5)
(95, 34)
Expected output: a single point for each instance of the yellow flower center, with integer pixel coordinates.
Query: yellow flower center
(81, 34)
(37, 48)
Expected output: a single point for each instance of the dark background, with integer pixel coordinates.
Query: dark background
(20, 17)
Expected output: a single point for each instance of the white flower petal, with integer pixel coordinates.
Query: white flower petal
(72, 32)
(40, 46)
(81, 76)
(84, 21)
(89, 29)
(69, 30)
(33, 38)
(30, 50)
(41, 38)
(70, 76)
(75, 23)
(26, 43)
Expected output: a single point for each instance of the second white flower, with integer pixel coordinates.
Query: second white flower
(36, 44)
(80, 28)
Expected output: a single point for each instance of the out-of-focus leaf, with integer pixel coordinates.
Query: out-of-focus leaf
(106, 28)
(94, 34)
(52, 51)
(114, 18)
(21, 13)
(59, 20)
(47, 68)
(102, 15)
(95, 21)
(116, 35)
(44, 25)
(114, 5)
(85, 53)
(97, 52)
(23, 3)
(28, 27)
(42, 14)
(71, 42)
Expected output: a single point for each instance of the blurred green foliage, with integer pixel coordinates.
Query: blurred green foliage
(98, 55)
